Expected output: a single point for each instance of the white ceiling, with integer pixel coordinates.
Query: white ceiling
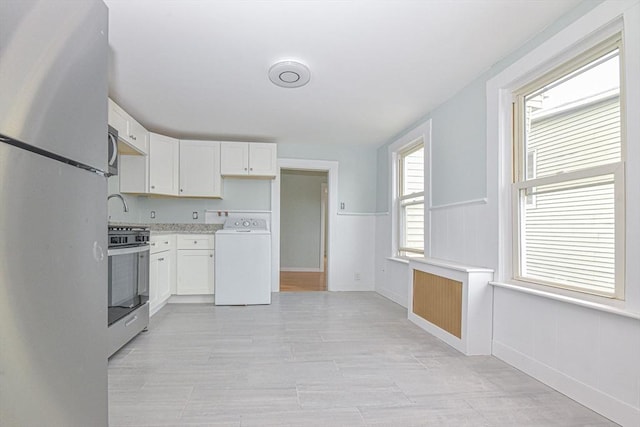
(198, 68)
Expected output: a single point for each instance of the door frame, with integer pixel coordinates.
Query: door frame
(329, 166)
(324, 195)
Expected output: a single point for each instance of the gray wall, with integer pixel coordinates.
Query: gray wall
(356, 188)
(356, 170)
(300, 219)
(459, 140)
(238, 193)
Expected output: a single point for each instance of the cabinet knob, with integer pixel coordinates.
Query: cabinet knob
(195, 242)
(153, 186)
(210, 256)
(245, 168)
(250, 169)
(132, 137)
(181, 190)
(160, 259)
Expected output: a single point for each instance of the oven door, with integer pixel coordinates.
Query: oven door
(128, 280)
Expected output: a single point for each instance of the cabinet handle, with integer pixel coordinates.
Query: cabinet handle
(181, 190)
(160, 259)
(250, 169)
(153, 186)
(245, 168)
(195, 242)
(210, 256)
(133, 137)
(166, 242)
(153, 243)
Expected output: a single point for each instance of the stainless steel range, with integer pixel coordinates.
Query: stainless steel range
(128, 309)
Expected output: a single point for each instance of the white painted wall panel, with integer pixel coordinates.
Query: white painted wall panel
(590, 355)
(352, 253)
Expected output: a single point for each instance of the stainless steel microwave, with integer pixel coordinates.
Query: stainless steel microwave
(112, 140)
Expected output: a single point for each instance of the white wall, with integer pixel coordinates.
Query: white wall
(586, 351)
(354, 238)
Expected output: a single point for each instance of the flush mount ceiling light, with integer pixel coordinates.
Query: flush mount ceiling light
(289, 74)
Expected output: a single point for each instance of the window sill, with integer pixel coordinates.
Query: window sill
(398, 259)
(607, 308)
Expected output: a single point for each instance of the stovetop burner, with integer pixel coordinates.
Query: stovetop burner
(127, 236)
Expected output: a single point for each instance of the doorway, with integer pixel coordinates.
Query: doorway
(303, 230)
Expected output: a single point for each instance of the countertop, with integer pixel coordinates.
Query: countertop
(174, 227)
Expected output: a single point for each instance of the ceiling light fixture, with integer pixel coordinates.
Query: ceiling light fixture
(289, 74)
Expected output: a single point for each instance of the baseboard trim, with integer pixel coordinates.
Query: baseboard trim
(393, 296)
(596, 400)
(191, 299)
(158, 307)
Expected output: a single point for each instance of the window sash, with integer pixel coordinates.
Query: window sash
(521, 189)
(526, 187)
(402, 235)
(407, 200)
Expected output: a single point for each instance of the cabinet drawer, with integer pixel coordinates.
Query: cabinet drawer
(162, 242)
(195, 241)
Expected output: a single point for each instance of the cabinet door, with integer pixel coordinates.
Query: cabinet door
(163, 165)
(200, 169)
(118, 118)
(159, 280)
(132, 137)
(133, 173)
(262, 159)
(164, 277)
(234, 158)
(138, 136)
(153, 281)
(195, 272)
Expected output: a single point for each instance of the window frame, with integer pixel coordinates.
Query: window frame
(520, 181)
(411, 199)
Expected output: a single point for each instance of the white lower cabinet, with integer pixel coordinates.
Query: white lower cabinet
(162, 271)
(195, 275)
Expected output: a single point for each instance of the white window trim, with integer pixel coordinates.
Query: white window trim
(602, 22)
(420, 132)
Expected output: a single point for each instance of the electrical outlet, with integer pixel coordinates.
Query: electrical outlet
(341, 206)
(195, 215)
(153, 214)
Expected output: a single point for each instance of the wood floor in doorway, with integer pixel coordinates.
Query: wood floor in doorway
(303, 281)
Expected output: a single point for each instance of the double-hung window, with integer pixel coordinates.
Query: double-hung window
(411, 200)
(568, 187)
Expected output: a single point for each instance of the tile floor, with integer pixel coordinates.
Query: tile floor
(318, 359)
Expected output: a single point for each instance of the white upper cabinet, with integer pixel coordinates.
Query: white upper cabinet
(133, 172)
(164, 163)
(133, 138)
(263, 160)
(200, 169)
(248, 159)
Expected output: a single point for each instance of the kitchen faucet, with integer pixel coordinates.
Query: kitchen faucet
(119, 196)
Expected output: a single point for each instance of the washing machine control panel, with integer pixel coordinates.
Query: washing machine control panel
(246, 224)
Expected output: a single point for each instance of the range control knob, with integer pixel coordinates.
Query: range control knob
(236, 223)
(246, 223)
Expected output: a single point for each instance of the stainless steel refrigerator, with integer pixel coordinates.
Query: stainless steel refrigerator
(53, 219)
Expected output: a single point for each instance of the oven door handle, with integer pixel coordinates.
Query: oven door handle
(127, 251)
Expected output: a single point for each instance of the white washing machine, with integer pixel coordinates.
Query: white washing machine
(243, 262)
